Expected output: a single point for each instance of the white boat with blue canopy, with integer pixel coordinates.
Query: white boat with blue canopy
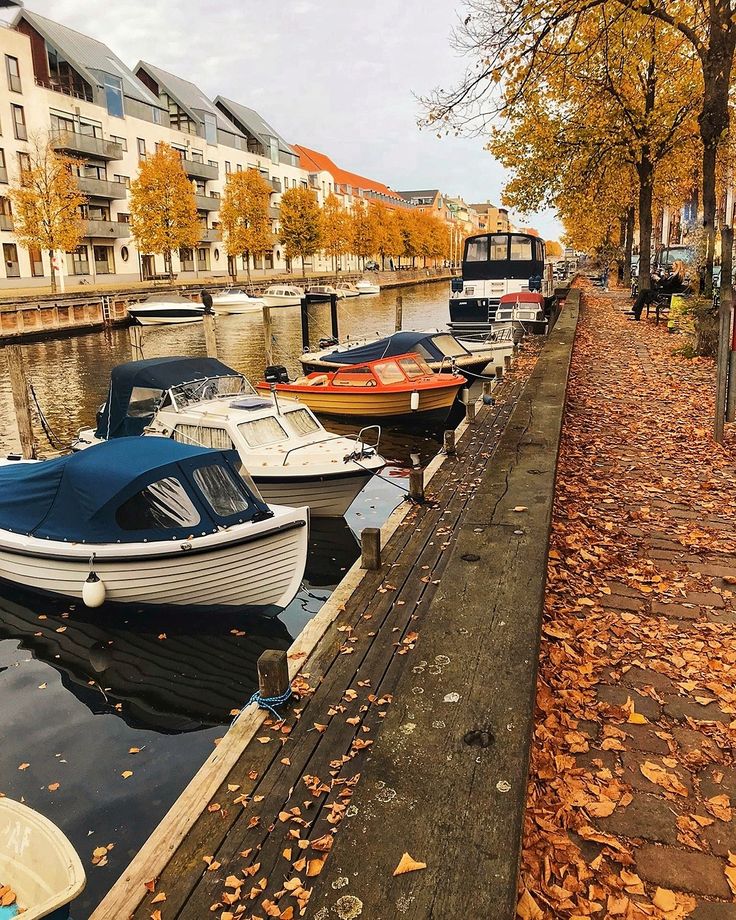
(201, 401)
(149, 521)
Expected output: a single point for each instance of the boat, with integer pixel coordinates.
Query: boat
(365, 286)
(394, 388)
(282, 295)
(202, 401)
(166, 309)
(149, 521)
(347, 289)
(235, 300)
(440, 350)
(317, 293)
(522, 313)
(38, 864)
(499, 340)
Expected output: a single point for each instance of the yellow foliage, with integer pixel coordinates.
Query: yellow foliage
(335, 228)
(244, 214)
(300, 223)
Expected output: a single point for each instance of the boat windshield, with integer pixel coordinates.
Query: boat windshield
(449, 346)
(222, 492)
(186, 394)
(354, 377)
(300, 422)
(414, 367)
(162, 505)
(261, 432)
(388, 372)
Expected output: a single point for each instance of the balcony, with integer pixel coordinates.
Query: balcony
(274, 213)
(200, 170)
(106, 229)
(72, 142)
(210, 235)
(313, 181)
(275, 184)
(102, 188)
(207, 203)
(6, 222)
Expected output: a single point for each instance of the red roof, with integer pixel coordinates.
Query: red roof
(314, 161)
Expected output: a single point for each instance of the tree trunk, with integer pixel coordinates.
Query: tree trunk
(247, 265)
(629, 244)
(645, 171)
(724, 335)
(52, 256)
(709, 214)
(304, 267)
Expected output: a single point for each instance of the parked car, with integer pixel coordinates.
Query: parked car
(371, 266)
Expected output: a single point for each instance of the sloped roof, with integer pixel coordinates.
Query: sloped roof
(88, 55)
(421, 193)
(187, 94)
(314, 161)
(252, 121)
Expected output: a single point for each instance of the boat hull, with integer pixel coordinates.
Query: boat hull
(165, 317)
(370, 289)
(270, 301)
(238, 307)
(260, 565)
(470, 366)
(326, 496)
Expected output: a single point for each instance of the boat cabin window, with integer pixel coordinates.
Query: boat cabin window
(521, 249)
(144, 401)
(499, 248)
(300, 422)
(449, 346)
(414, 367)
(388, 372)
(477, 250)
(202, 436)
(262, 431)
(224, 495)
(160, 506)
(354, 377)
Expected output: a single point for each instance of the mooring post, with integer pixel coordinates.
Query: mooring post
(305, 324)
(136, 341)
(487, 387)
(267, 336)
(449, 442)
(210, 335)
(416, 485)
(370, 548)
(399, 321)
(273, 673)
(499, 373)
(507, 362)
(333, 317)
(470, 413)
(21, 402)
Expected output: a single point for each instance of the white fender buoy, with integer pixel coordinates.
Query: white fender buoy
(414, 401)
(93, 591)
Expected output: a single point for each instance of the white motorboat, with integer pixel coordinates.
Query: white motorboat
(235, 300)
(498, 342)
(347, 289)
(364, 286)
(200, 401)
(166, 309)
(317, 293)
(149, 521)
(282, 295)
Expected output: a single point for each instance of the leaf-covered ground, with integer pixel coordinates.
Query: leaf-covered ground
(633, 779)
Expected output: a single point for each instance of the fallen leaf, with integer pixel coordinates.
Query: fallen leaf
(407, 864)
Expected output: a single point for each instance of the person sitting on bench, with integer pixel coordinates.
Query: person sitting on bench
(674, 284)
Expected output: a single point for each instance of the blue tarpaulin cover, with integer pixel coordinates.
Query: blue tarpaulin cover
(154, 374)
(76, 497)
(400, 343)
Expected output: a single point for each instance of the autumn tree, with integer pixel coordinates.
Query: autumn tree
(388, 235)
(300, 224)
(163, 208)
(554, 249)
(244, 215)
(46, 205)
(363, 230)
(335, 229)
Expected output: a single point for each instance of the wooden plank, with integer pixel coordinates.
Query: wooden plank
(21, 400)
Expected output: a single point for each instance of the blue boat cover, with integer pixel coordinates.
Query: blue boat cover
(76, 498)
(152, 374)
(399, 343)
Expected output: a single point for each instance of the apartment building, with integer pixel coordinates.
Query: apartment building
(491, 219)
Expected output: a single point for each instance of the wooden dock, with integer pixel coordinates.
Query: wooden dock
(252, 833)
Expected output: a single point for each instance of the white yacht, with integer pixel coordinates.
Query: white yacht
(365, 286)
(235, 300)
(202, 402)
(282, 295)
(347, 289)
(166, 309)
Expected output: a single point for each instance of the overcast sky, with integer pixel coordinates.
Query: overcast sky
(339, 76)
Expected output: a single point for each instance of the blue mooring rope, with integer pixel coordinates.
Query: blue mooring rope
(268, 702)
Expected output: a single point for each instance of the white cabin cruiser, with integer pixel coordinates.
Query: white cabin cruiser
(282, 295)
(166, 309)
(347, 289)
(235, 300)
(365, 286)
(202, 402)
(149, 521)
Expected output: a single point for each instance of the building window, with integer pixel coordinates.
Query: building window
(11, 65)
(197, 156)
(114, 95)
(286, 182)
(210, 128)
(123, 141)
(10, 255)
(123, 180)
(104, 260)
(186, 258)
(24, 162)
(228, 168)
(3, 167)
(19, 122)
(239, 167)
(36, 262)
(80, 261)
(212, 163)
(123, 218)
(203, 259)
(141, 149)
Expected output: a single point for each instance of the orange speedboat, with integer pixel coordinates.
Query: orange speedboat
(392, 388)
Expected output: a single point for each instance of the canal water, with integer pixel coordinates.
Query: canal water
(106, 715)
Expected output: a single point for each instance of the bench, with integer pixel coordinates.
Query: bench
(162, 276)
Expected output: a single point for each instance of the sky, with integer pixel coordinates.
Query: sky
(339, 76)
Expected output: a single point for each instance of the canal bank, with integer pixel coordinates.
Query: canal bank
(256, 825)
